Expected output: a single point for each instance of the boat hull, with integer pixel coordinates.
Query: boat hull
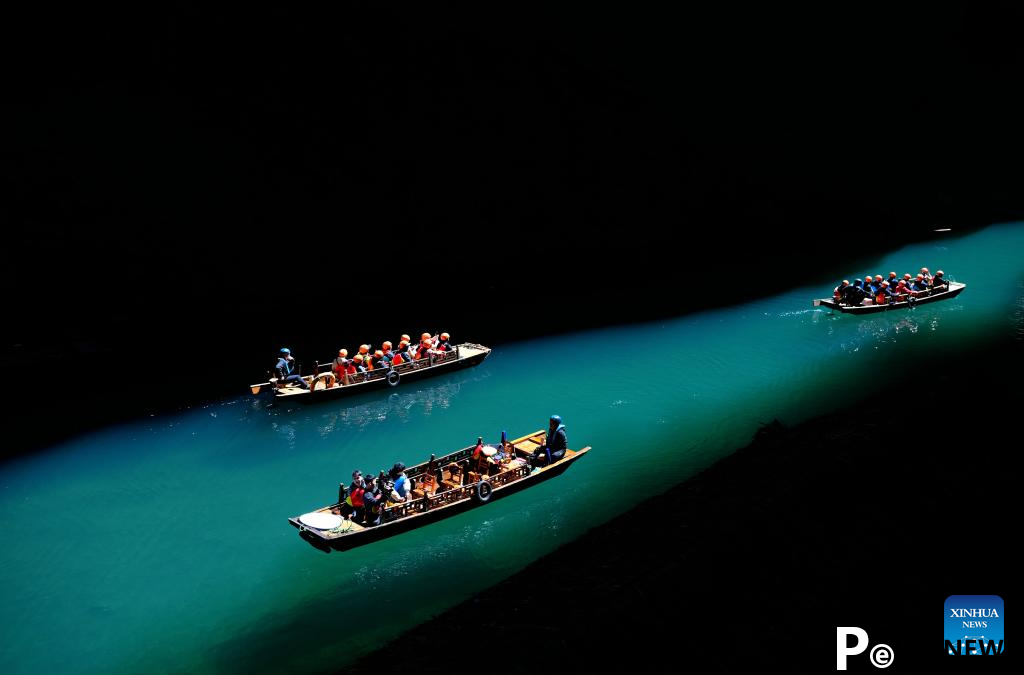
(403, 525)
(955, 289)
(406, 375)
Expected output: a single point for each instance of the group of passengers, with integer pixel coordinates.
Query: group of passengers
(387, 356)
(878, 291)
(366, 498)
(368, 495)
(364, 362)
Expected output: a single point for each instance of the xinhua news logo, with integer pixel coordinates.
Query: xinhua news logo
(881, 655)
(973, 625)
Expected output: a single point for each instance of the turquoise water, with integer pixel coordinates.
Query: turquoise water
(164, 544)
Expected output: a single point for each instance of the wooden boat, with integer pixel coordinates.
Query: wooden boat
(953, 289)
(438, 492)
(324, 386)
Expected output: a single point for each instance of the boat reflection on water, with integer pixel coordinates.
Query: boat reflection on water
(402, 405)
(874, 331)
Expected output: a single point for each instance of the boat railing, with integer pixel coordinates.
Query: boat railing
(428, 502)
(378, 373)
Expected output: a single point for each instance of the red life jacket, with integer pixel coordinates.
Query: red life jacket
(355, 498)
(397, 360)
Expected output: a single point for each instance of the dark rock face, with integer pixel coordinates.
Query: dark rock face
(182, 181)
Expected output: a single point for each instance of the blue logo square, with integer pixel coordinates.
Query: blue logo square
(973, 617)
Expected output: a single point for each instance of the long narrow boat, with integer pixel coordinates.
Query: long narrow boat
(324, 386)
(954, 289)
(434, 497)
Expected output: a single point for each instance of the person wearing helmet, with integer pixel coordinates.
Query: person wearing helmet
(884, 294)
(902, 291)
(385, 349)
(839, 292)
(919, 284)
(442, 343)
(340, 366)
(939, 282)
(855, 292)
(400, 355)
(424, 349)
(927, 275)
(285, 370)
(555, 444)
(892, 279)
(360, 363)
(377, 360)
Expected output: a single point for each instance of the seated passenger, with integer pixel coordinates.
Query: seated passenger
(423, 351)
(400, 356)
(927, 275)
(352, 507)
(555, 444)
(884, 294)
(919, 285)
(340, 366)
(385, 348)
(359, 363)
(285, 370)
(856, 295)
(377, 360)
(939, 282)
(901, 292)
(892, 279)
(839, 291)
(373, 501)
(443, 345)
(402, 485)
